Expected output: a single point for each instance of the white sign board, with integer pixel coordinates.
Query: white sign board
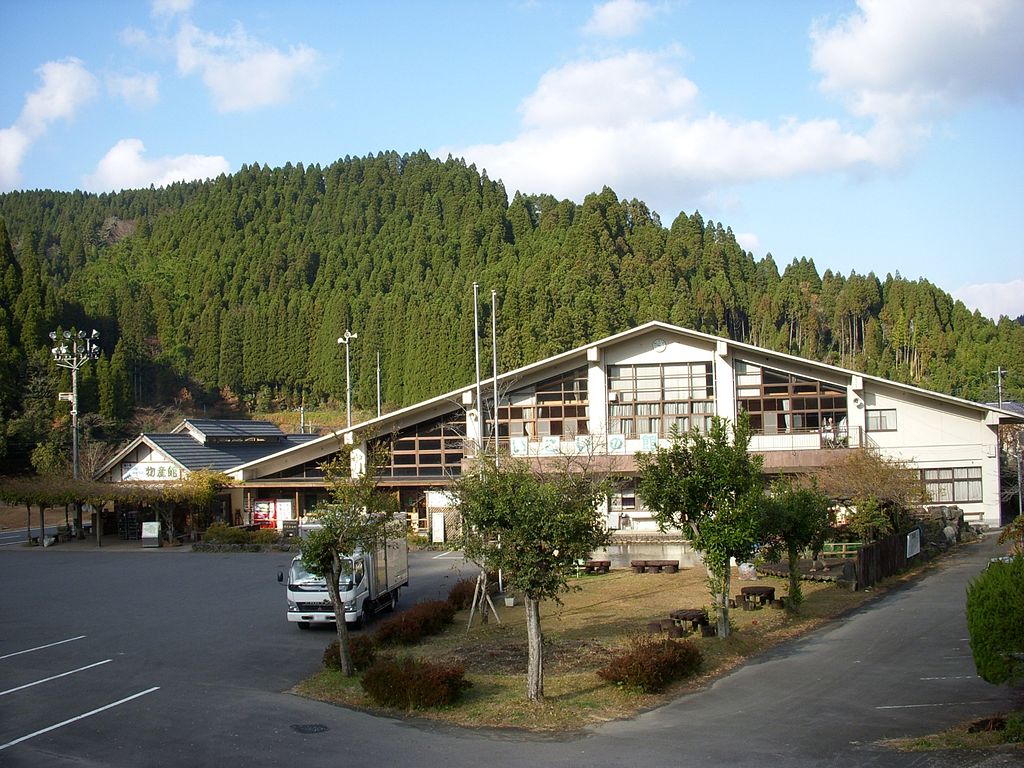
(914, 542)
(149, 470)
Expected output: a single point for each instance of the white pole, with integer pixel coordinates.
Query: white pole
(378, 385)
(476, 346)
(348, 388)
(494, 367)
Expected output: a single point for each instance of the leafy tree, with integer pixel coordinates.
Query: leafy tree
(710, 486)
(358, 517)
(795, 518)
(533, 527)
(878, 492)
(995, 620)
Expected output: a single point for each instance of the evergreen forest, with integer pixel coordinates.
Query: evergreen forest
(229, 295)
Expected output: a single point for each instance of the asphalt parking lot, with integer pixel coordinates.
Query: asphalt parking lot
(130, 657)
(107, 654)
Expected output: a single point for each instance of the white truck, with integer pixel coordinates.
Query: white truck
(371, 584)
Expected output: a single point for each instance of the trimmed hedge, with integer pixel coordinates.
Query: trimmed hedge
(995, 621)
(408, 683)
(362, 648)
(413, 625)
(650, 663)
(226, 538)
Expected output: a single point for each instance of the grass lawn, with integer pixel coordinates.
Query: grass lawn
(592, 621)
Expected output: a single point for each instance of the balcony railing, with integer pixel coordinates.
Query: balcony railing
(809, 439)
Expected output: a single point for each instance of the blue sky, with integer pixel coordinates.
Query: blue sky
(872, 136)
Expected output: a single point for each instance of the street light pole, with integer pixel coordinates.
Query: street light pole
(345, 338)
(83, 349)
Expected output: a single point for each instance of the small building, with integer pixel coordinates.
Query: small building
(609, 400)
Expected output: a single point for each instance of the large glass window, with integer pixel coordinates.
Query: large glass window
(781, 403)
(654, 399)
(556, 407)
(953, 484)
(431, 449)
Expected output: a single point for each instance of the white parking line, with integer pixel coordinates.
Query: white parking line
(954, 677)
(55, 726)
(445, 555)
(946, 704)
(54, 677)
(41, 647)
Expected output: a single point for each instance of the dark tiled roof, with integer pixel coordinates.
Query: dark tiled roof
(1011, 406)
(220, 456)
(235, 429)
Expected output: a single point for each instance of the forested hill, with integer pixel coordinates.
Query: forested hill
(242, 285)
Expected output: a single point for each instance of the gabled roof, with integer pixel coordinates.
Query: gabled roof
(323, 446)
(187, 452)
(220, 457)
(217, 430)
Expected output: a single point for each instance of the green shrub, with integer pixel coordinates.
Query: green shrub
(408, 683)
(225, 538)
(413, 625)
(650, 663)
(461, 594)
(362, 648)
(995, 621)
(1014, 731)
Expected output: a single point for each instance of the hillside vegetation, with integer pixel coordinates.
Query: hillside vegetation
(235, 290)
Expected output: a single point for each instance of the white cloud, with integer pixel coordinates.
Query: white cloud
(917, 59)
(240, 72)
(618, 18)
(629, 121)
(613, 91)
(124, 167)
(66, 86)
(748, 241)
(171, 7)
(994, 299)
(135, 90)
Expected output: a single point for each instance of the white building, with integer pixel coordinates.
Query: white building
(624, 394)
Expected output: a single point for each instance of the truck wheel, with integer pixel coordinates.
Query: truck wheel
(302, 624)
(393, 605)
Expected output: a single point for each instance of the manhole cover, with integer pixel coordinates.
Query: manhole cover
(310, 728)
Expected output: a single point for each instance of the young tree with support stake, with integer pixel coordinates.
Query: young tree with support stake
(534, 527)
(710, 486)
(358, 516)
(795, 518)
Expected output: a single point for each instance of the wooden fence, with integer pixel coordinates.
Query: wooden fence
(881, 559)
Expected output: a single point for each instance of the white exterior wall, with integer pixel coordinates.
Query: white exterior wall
(146, 464)
(933, 435)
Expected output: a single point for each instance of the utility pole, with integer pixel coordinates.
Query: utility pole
(999, 373)
(83, 349)
(345, 338)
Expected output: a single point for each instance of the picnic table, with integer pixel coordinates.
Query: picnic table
(597, 566)
(654, 566)
(695, 616)
(759, 594)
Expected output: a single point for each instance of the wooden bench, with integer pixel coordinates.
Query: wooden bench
(654, 566)
(597, 566)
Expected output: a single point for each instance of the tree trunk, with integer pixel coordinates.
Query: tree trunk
(42, 525)
(535, 643)
(795, 593)
(28, 522)
(344, 650)
(720, 589)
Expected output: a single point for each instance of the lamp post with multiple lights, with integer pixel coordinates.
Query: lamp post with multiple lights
(345, 338)
(82, 349)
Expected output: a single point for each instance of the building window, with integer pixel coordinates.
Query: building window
(781, 403)
(882, 420)
(556, 407)
(953, 485)
(655, 399)
(430, 449)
